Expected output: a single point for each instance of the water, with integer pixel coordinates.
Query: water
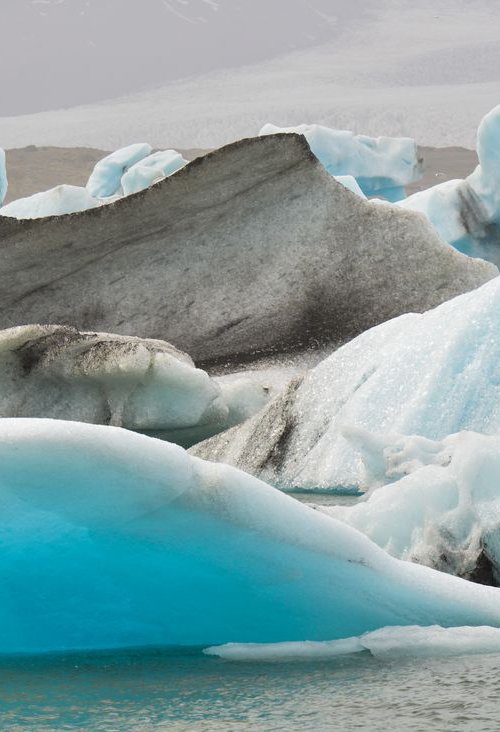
(162, 690)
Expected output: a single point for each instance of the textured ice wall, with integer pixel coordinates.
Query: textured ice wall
(112, 539)
(432, 374)
(252, 249)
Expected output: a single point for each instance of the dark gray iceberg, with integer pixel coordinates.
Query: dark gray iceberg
(252, 249)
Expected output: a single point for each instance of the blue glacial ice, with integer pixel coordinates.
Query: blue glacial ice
(111, 539)
(382, 166)
(105, 179)
(3, 176)
(150, 170)
(466, 213)
(434, 502)
(63, 199)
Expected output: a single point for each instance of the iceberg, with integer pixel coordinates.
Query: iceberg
(433, 502)
(114, 539)
(105, 179)
(3, 176)
(382, 166)
(141, 384)
(63, 199)
(150, 170)
(430, 374)
(466, 213)
(207, 259)
(384, 643)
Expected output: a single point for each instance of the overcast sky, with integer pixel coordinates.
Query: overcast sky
(58, 53)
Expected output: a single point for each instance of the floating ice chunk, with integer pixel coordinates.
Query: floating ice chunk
(3, 176)
(54, 202)
(440, 504)
(150, 170)
(141, 384)
(105, 179)
(381, 164)
(432, 375)
(383, 643)
(110, 538)
(466, 213)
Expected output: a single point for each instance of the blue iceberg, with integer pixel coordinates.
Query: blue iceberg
(113, 539)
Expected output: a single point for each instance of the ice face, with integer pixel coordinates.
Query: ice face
(466, 213)
(105, 179)
(432, 375)
(138, 383)
(56, 201)
(439, 502)
(150, 170)
(381, 165)
(3, 176)
(112, 539)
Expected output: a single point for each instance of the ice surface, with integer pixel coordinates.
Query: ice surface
(141, 384)
(432, 375)
(150, 170)
(63, 199)
(110, 538)
(439, 502)
(466, 213)
(350, 182)
(379, 164)
(3, 176)
(383, 643)
(105, 179)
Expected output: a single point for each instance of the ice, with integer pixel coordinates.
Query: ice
(383, 643)
(431, 375)
(105, 179)
(63, 199)
(350, 182)
(150, 170)
(466, 213)
(382, 166)
(113, 539)
(138, 383)
(433, 502)
(3, 176)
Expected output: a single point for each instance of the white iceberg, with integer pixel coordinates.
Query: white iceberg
(138, 383)
(113, 539)
(150, 170)
(432, 375)
(63, 199)
(439, 502)
(466, 213)
(383, 643)
(3, 176)
(382, 166)
(105, 179)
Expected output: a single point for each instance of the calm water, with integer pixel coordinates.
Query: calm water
(178, 690)
(168, 691)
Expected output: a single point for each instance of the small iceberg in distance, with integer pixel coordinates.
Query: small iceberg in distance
(113, 539)
(383, 643)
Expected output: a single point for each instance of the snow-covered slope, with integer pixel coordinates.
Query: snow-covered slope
(436, 73)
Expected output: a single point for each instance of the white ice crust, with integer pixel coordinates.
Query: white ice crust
(150, 170)
(105, 179)
(63, 199)
(381, 164)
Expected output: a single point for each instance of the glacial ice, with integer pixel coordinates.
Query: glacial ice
(466, 213)
(102, 378)
(382, 643)
(432, 375)
(63, 199)
(350, 182)
(150, 170)
(382, 166)
(3, 176)
(105, 179)
(113, 539)
(433, 502)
